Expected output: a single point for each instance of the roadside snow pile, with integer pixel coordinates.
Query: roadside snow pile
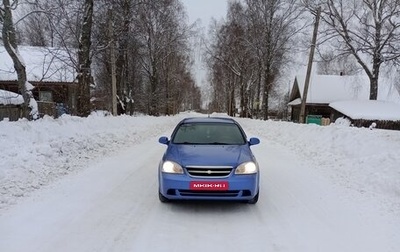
(38, 152)
(365, 161)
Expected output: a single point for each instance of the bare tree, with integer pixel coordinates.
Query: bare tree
(36, 29)
(276, 23)
(52, 23)
(330, 64)
(252, 48)
(10, 43)
(232, 63)
(162, 37)
(152, 51)
(369, 30)
(151, 45)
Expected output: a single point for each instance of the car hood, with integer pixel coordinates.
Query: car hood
(209, 155)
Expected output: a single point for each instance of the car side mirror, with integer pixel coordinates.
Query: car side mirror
(163, 140)
(254, 141)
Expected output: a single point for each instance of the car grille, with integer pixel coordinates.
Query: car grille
(209, 172)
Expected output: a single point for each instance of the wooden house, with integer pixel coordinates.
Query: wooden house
(52, 74)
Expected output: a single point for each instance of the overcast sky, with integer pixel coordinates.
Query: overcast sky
(204, 10)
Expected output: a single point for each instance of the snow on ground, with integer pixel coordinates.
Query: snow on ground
(38, 152)
(331, 188)
(363, 160)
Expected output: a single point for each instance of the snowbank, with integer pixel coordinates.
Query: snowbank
(36, 153)
(362, 160)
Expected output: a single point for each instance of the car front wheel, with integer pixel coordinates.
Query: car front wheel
(254, 200)
(162, 197)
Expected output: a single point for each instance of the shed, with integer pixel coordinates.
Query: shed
(326, 89)
(381, 114)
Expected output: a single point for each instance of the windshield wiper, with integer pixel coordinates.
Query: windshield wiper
(219, 143)
(211, 143)
(187, 143)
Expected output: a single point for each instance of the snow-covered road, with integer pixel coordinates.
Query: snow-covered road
(112, 205)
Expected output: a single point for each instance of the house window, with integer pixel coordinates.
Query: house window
(46, 96)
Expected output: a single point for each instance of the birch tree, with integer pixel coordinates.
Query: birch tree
(368, 30)
(30, 108)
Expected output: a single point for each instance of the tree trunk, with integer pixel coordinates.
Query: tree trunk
(373, 94)
(267, 80)
(154, 97)
(122, 60)
(84, 70)
(258, 92)
(373, 78)
(10, 43)
(265, 105)
(243, 111)
(232, 102)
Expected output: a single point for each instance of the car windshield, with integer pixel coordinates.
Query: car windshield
(209, 133)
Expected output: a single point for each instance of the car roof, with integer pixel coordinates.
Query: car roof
(208, 119)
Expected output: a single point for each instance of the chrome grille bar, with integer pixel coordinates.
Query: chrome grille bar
(209, 171)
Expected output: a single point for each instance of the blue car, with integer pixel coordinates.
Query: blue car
(208, 158)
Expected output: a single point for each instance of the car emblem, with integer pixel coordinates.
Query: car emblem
(209, 172)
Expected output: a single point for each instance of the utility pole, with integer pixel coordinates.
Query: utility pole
(113, 67)
(309, 67)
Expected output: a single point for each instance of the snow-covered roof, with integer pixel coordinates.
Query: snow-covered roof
(331, 88)
(42, 64)
(368, 110)
(7, 98)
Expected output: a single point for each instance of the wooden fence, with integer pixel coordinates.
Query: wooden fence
(390, 125)
(14, 112)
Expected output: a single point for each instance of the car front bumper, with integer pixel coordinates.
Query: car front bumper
(178, 187)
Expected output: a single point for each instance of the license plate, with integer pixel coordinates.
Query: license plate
(209, 186)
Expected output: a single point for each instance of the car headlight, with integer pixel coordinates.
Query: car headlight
(171, 167)
(247, 168)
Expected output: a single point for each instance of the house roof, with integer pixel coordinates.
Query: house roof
(8, 98)
(324, 89)
(368, 109)
(42, 64)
